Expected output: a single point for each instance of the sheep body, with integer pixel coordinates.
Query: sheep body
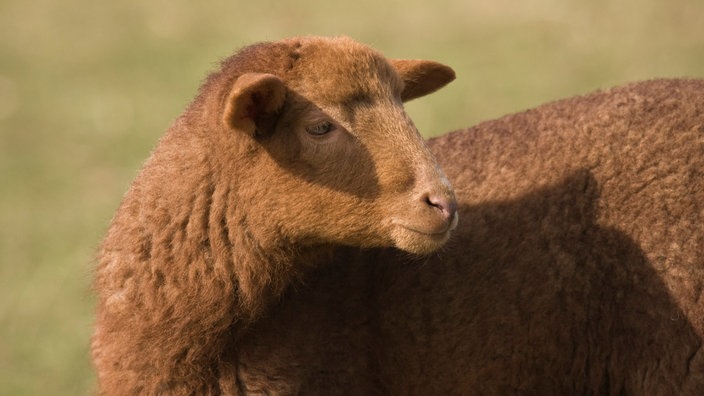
(577, 267)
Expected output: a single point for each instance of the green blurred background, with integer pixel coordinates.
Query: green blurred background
(87, 87)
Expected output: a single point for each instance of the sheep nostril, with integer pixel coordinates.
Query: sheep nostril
(446, 205)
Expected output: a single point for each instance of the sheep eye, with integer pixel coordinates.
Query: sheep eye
(320, 129)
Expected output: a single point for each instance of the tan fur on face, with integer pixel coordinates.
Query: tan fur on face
(240, 198)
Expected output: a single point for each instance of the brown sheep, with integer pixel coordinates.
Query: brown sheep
(577, 268)
(290, 151)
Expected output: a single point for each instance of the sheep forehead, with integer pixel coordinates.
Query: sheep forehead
(340, 71)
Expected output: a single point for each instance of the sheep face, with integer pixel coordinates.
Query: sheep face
(337, 158)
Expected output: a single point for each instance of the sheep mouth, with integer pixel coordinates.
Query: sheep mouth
(435, 233)
(422, 238)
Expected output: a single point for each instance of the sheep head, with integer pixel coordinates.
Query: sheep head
(290, 149)
(318, 127)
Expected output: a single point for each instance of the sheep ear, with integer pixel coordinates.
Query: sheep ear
(421, 77)
(255, 98)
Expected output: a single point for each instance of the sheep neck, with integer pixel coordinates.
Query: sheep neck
(259, 261)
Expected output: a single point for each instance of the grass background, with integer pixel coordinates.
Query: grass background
(87, 87)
